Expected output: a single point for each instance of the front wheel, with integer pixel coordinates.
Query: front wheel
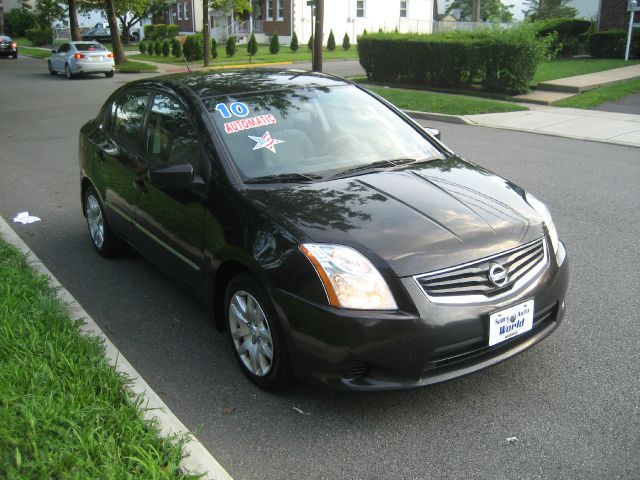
(255, 334)
(102, 237)
(15, 56)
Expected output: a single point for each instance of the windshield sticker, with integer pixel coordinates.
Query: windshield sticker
(265, 141)
(238, 109)
(253, 122)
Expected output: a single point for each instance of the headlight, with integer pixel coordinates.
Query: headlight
(542, 209)
(350, 280)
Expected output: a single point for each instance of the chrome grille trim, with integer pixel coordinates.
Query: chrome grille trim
(524, 263)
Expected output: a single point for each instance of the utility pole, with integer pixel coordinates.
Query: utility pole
(475, 11)
(317, 39)
(206, 37)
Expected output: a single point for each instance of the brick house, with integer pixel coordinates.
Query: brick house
(613, 14)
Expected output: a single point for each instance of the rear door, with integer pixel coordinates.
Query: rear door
(59, 58)
(171, 219)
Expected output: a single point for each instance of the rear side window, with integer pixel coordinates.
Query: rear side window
(127, 114)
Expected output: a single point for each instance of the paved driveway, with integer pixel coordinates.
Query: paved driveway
(572, 402)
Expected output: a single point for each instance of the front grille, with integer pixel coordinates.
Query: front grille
(470, 282)
(541, 319)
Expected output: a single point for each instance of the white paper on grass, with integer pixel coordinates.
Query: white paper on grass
(24, 218)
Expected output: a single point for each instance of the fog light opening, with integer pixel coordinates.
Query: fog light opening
(357, 371)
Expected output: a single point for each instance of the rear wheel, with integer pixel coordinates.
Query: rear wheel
(102, 237)
(67, 71)
(51, 70)
(109, 74)
(255, 334)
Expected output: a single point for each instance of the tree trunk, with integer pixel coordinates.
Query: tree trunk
(118, 52)
(126, 28)
(1, 18)
(73, 20)
(475, 11)
(318, 38)
(206, 37)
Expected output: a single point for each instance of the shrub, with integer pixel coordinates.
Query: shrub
(214, 48)
(142, 47)
(149, 31)
(608, 44)
(40, 35)
(252, 46)
(231, 46)
(166, 48)
(160, 30)
(570, 34)
(310, 43)
(346, 42)
(18, 21)
(192, 48)
(157, 47)
(173, 31)
(176, 48)
(293, 46)
(500, 60)
(274, 45)
(331, 42)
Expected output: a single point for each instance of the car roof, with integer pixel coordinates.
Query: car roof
(234, 82)
(5, 36)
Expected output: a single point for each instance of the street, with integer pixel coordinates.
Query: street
(572, 403)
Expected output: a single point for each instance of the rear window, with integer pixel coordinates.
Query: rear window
(89, 47)
(316, 130)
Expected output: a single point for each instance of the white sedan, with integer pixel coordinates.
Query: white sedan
(74, 58)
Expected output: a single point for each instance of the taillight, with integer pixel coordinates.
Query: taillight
(109, 55)
(79, 55)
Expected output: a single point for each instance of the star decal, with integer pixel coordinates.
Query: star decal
(265, 141)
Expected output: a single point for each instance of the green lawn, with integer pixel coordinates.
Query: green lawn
(572, 67)
(135, 67)
(601, 95)
(64, 412)
(34, 52)
(263, 56)
(423, 101)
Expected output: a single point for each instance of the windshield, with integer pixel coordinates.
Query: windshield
(315, 131)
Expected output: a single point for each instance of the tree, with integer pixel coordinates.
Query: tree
(274, 45)
(206, 34)
(490, 10)
(293, 46)
(346, 42)
(319, 34)
(118, 52)
(231, 46)
(214, 48)
(252, 47)
(331, 42)
(543, 9)
(73, 20)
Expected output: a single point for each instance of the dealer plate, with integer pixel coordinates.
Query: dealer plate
(510, 322)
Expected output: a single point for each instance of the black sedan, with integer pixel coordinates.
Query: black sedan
(8, 48)
(333, 237)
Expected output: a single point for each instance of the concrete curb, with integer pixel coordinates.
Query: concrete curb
(198, 460)
(440, 117)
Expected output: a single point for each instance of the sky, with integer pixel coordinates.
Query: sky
(586, 8)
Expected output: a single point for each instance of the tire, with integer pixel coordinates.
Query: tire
(51, 70)
(109, 74)
(67, 71)
(102, 237)
(15, 56)
(255, 334)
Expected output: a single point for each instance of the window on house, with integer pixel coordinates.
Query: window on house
(186, 10)
(179, 11)
(403, 9)
(280, 4)
(270, 9)
(360, 8)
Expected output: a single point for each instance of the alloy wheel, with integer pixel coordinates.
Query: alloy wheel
(95, 221)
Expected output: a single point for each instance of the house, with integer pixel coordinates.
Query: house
(342, 16)
(613, 14)
(187, 14)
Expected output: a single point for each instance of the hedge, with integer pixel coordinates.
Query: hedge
(40, 36)
(160, 30)
(572, 34)
(193, 48)
(613, 43)
(500, 60)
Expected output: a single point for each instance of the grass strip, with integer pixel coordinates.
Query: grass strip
(64, 412)
(598, 96)
(135, 67)
(263, 56)
(422, 101)
(34, 52)
(577, 66)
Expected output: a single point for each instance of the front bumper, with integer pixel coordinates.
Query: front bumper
(421, 344)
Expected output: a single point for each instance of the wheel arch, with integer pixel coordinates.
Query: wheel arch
(224, 274)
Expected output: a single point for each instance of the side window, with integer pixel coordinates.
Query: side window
(64, 48)
(127, 114)
(170, 135)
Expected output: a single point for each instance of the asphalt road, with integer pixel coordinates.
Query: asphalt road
(573, 401)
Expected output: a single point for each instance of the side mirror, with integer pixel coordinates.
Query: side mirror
(173, 175)
(434, 132)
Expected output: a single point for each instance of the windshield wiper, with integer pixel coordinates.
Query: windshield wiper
(375, 166)
(285, 178)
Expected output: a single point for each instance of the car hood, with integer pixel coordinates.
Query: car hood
(417, 220)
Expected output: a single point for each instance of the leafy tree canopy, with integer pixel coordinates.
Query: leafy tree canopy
(227, 6)
(490, 10)
(544, 9)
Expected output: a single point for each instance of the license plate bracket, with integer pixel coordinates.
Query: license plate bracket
(510, 322)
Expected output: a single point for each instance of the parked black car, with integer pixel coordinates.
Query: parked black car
(333, 237)
(8, 48)
(104, 35)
